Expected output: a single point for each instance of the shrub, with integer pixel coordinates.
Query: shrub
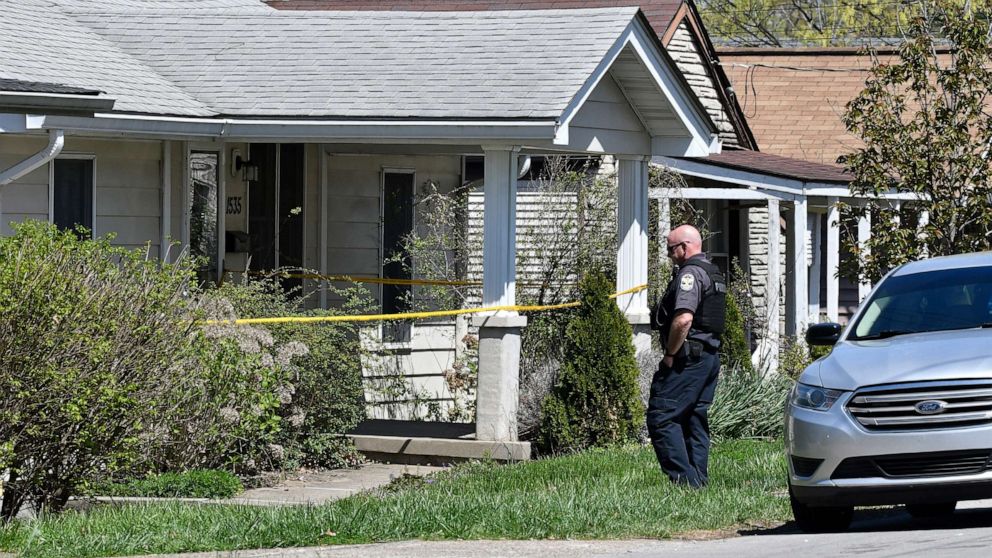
(190, 484)
(323, 397)
(224, 411)
(89, 334)
(541, 354)
(748, 405)
(595, 401)
(735, 351)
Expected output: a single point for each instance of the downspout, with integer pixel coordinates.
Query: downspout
(56, 141)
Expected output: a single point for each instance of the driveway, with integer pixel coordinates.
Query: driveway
(874, 533)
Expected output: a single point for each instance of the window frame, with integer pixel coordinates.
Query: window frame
(383, 171)
(80, 156)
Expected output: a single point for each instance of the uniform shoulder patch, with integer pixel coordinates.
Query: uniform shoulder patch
(687, 282)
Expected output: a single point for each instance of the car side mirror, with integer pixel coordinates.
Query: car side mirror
(823, 334)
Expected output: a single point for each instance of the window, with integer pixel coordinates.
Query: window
(72, 193)
(397, 224)
(203, 200)
(929, 301)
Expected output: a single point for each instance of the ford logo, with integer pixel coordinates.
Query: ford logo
(930, 407)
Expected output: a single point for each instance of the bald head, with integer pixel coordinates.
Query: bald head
(684, 242)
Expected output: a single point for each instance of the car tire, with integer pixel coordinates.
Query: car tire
(933, 509)
(811, 519)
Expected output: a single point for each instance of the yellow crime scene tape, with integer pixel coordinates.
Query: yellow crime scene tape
(408, 315)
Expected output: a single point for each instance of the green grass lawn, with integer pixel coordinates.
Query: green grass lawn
(603, 494)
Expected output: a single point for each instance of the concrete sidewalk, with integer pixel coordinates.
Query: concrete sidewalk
(317, 487)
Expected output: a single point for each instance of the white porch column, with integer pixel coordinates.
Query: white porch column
(166, 214)
(815, 226)
(921, 225)
(833, 259)
(632, 252)
(768, 352)
(664, 225)
(497, 395)
(864, 233)
(797, 291)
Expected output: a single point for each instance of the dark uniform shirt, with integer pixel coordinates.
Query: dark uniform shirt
(689, 284)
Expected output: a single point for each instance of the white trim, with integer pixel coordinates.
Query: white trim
(701, 169)
(51, 185)
(221, 211)
(277, 214)
(749, 193)
(797, 289)
(864, 233)
(833, 259)
(221, 202)
(166, 213)
(383, 171)
(815, 226)
(322, 241)
(184, 196)
(703, 135)
(310, 131)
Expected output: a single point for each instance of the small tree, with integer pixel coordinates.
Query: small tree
(88, 336)
(926, 132)
(596, 401)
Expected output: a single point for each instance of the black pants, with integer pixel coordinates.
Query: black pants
(680, 432)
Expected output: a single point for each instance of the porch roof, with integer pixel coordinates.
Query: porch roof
(775, 165)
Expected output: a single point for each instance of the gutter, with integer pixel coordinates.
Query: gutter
(56, 141)
(318, 131)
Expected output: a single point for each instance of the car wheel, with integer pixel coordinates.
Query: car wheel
(934, 509)
(820, 519)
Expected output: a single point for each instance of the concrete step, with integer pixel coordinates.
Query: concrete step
(433, 443)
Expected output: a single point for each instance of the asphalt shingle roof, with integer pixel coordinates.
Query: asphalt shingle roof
(658, 12)
(19, 86)
(372, 64)
(40, 43)
(775, 165)
(226, 57)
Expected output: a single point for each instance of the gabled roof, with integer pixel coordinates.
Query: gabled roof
(362, 64)
(664, 17)
(475, 76)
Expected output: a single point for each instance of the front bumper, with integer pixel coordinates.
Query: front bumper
(833, 436)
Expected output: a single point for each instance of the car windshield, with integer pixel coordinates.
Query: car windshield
(930, 301)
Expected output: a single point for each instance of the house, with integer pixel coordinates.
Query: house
(794, 99)
(300, 137)
(762, 170)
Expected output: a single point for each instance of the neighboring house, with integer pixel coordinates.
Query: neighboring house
(794, 100)
(211, 122)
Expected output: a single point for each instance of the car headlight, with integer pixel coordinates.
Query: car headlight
(813, 397)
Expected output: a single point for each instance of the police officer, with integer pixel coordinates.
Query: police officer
(691, 318)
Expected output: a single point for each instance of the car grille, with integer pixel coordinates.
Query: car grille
(915, 465)
(923, 405)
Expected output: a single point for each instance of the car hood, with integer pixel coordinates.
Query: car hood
(940, 355)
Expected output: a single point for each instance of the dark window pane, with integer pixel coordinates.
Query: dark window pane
(72, 201)
(291, 192)
(203, 200)
(397, 223)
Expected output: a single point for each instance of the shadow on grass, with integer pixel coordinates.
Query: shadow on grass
(891, 519)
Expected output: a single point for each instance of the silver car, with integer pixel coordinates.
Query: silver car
(900, 411)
